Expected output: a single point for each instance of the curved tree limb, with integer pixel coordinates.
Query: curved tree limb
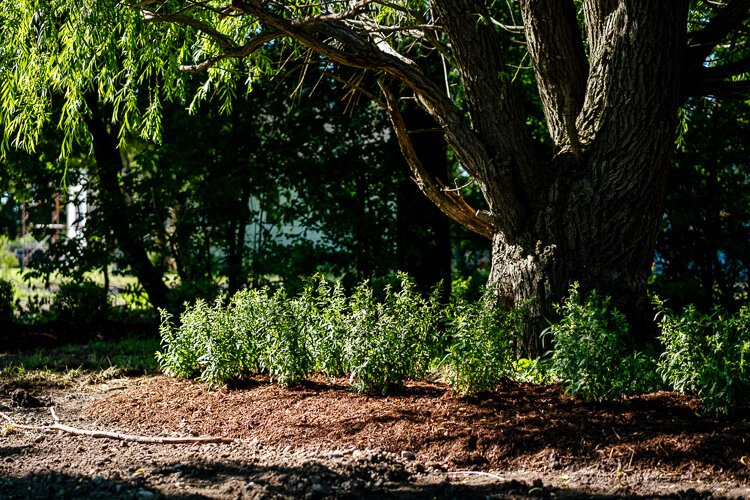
(254, 44)
(494, 166)
(221, 39)
(513, 172)
(449, 201)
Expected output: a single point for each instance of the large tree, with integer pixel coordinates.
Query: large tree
(611, 77)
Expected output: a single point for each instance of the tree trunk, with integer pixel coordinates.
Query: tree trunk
(597, 219)
(115, 208)
(236, 238)
(602, 239)
(423, 244)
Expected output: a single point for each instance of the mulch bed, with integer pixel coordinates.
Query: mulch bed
(520, 426)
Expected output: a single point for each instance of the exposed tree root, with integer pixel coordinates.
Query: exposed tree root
(114, 435)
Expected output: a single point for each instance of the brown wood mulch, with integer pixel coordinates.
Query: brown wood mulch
(520, 426)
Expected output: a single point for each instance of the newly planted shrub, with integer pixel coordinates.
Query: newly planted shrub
(286, 354)
(590, 357)
(326, 308)
(389, 341)
(708, 356)
(481, 339)
(183, 345)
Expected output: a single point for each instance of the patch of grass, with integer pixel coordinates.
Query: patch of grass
(129, 355)
(16, 376)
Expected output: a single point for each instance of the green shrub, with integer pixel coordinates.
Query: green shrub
(326, 308)
(81, 303)
(708, 356)
(7, 299)
(392, 340)
(590, 356)
(182, 346)
(8, 259)
(286, 346)
(481, 342)
(214, 342)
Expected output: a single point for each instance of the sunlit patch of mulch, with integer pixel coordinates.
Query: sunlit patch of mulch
(519, 426)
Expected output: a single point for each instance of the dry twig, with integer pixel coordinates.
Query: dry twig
(114, 435)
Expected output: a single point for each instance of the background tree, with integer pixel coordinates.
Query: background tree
(702, 251)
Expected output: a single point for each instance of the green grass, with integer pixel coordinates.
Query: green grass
(127, 356)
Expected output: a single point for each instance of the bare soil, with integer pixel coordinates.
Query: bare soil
(320, 440)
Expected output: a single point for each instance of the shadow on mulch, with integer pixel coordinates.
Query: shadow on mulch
(519, 426)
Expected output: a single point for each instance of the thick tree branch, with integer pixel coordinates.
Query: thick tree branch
(254, 44)
(341, 44)
(636, 49)
(450, 202)
(477, 51)
(222, 40)
(499, 159)
(560, 64)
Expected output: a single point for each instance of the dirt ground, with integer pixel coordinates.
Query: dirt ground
(320, 440)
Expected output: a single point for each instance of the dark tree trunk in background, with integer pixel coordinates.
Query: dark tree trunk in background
(115, 209)
(423, 243)
(236, 239)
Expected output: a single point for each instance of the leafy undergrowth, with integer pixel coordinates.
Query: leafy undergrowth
(378, 344)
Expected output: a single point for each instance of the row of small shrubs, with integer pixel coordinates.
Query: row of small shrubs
(473, 345)
(705, 355)
(376, 343)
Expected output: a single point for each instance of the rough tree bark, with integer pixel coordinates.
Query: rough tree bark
(613, 125)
